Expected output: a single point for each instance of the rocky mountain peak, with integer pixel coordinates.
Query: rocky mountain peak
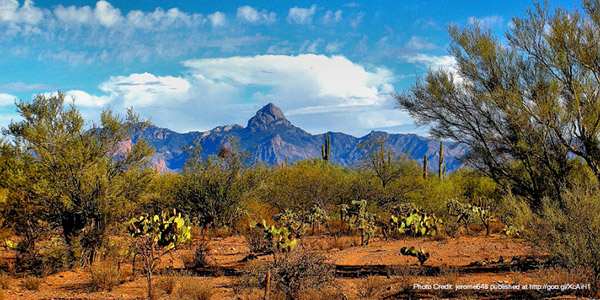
(268, 117)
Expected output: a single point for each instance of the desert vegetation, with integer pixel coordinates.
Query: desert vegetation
(77, 201)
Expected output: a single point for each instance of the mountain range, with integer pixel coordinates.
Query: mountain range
(271, 138)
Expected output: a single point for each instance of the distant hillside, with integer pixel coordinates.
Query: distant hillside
(271, 138)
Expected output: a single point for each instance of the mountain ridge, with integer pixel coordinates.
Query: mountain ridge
(271, 138)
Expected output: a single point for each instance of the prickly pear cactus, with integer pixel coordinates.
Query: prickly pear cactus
(281, 239)
(167, 230)
(420, 254)
(417, 223)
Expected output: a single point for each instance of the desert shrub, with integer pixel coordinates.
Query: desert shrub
(256, 241)
(4, 282)
(167, 283)
(300, 271)
(32, 283)
(253, 275)
(199, 257)
(194, 289)
(104, 276)
(571, 228)
(371, 287)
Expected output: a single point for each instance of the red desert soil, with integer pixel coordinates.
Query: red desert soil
(228, 252)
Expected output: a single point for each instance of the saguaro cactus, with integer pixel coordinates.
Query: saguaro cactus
(441, 167)
(326, 148)
(425, 167)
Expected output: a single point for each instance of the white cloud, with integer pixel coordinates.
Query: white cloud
(161, 19)
(217, 19)
(432, 61)
(7, 99)
(334, 46)
(250, 15)
(330, 17)
(106, 14)
(81, 98)
(12, 13)
(488, 21)
(299, 15)
(419, 43)
(310, 47)
(309, 79)
(319, 93)
(75, 15)
(145, 89)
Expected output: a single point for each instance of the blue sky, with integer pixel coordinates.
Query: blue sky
(194, 65)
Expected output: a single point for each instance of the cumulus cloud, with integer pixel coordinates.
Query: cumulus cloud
(301, 80)
(7, 99)
(319, 93)
(488, 21)
(249, 14)
(106, 14)
(217, 19)
(74, 15)
(299, 15)
(161, 19)
(144, 89)
(12, 13)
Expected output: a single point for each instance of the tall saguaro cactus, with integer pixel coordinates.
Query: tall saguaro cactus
(425, 167)
(326, 148)
(441, 167)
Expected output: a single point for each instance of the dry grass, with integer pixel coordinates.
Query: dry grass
(32, 283)
(194, 289)
(371, 287)
(199, 257)
(4, 282)
(167, 283)
(448, 275)
(104, 276)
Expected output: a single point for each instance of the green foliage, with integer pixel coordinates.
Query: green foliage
(360, 219)
(305, 184)
(211, 188)
(420, 254)
(416, 223)
(280, 238)
(62, 173)
(379, 159)
(526, 107)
